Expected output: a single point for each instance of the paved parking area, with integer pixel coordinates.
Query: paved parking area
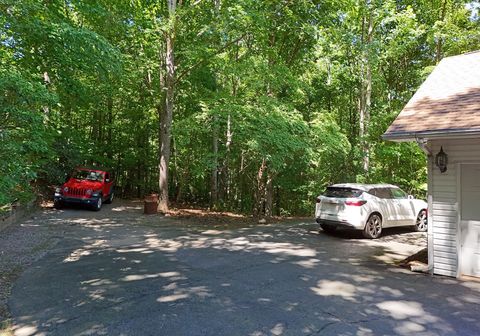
(118, 272)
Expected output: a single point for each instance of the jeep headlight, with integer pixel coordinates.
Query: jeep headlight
(58, 191)
(89, 192)
(65, 189)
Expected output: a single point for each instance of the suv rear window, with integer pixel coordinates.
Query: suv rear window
(342, 192)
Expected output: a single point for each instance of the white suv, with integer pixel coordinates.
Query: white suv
(369, 207)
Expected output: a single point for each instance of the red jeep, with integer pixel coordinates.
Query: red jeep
(85, 186)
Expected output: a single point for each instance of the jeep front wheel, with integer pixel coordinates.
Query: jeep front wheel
(98, 204)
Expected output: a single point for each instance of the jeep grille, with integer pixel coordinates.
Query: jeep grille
(77, 192)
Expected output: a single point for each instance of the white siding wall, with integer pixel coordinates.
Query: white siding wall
(444, 208)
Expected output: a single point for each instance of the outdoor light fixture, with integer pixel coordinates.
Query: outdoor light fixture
(441, 160)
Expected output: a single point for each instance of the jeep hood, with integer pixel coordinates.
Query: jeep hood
(83, 184)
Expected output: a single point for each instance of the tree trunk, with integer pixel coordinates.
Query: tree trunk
(214, 173)
(269, 196)
(260, 190)
(366, 93)
(167, 113)
(109, 153)
(226, 171)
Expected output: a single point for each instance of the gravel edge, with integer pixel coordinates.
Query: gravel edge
(21, 244)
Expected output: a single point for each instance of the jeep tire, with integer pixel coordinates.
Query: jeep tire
(109, 200)
(98, 205)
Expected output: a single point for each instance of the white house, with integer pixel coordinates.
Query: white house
(444, 118)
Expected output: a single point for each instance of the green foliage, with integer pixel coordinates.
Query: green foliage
(266, 90)
(24, 134)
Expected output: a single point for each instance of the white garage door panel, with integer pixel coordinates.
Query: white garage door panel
(470, 220)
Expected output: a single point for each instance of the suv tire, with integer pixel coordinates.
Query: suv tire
(421, 222)
(373, 227)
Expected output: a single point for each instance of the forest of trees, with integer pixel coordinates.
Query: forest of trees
(241, 105)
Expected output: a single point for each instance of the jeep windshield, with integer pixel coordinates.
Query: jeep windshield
(88, 175)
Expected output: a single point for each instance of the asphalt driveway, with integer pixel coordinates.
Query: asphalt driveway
(118, 272)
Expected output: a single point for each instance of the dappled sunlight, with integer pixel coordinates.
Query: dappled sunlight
(172, 298)
(350, 260)
(163, 245)
(475, 286)
(97, 282)
(335, 288)
(86, 251)
(412, 317)
(309, 263)
(137, 277)
(391, 291)
(471, 299)
(97, 295)
(133, 250)
(400, 310)
(363, 277)
(27, 330)
(284, 248)
(94, 222)
(200, 292)
(212, 232)
(278, 329)
(242, 243)
(128, 208)
(409, 328)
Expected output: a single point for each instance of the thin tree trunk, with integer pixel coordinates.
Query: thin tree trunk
(365, 94)
(109, 127)
(228, 144)
(214, 173)
(260, 190)
(269, 196)
(167, 115)
(277, 200)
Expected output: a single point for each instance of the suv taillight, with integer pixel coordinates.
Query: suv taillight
(319, 199)
(355, 202)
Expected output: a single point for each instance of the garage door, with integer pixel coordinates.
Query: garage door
(470, 220)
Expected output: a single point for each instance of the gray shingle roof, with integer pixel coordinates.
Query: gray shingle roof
(447, 103)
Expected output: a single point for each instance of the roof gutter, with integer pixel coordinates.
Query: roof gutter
(440, 134)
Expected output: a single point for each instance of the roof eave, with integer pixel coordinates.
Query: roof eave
(442, 134)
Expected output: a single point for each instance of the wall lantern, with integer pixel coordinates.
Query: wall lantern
(441, 160)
